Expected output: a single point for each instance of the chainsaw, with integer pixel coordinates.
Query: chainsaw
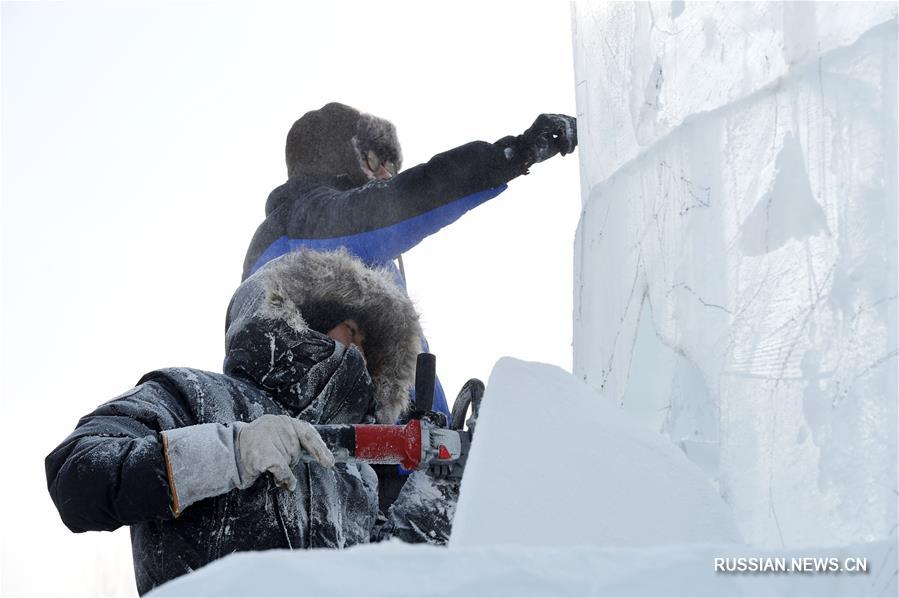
(426, 441)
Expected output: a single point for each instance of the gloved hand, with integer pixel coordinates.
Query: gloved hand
(551, 134)
(423, 512)
(207, 460)
(274, 443)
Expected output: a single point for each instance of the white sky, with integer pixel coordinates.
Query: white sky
(139, 143)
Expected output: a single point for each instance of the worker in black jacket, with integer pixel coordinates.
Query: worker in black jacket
(345, 188)
(202, 464)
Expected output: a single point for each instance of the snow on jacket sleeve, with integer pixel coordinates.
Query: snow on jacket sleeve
(383, 219)
(110, 471)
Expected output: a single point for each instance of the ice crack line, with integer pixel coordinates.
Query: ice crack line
(686, 287)
(694, 195)
(608, 370)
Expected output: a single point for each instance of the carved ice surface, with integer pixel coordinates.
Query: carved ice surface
(736, 259)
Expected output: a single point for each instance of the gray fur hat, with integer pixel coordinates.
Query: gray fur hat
(306, 280)
(328, 142)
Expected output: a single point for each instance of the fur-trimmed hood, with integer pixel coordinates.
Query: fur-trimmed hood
(328, 142)
(275, 298)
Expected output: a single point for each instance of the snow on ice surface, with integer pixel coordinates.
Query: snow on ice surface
(736, 259)
(396, 569)
(553, 463)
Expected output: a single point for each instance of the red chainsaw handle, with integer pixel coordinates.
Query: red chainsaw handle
(385, 443)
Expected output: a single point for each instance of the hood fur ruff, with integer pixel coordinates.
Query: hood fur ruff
(328, 142)
(385, 313)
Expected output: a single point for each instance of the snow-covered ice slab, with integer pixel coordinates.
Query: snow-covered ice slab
(736, 260)
(397, 569)
(553, 463)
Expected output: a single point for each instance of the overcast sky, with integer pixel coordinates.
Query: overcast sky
(139, 143)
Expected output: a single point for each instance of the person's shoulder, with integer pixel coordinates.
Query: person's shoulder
(191, 380)
(212, 396)
(300, 189)
(178, 374)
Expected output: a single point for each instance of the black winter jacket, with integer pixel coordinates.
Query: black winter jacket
(381, 220)
(111, 470)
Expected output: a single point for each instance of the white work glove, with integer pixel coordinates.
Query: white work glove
(274, 443)
(207, 460)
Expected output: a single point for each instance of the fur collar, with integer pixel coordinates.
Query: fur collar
(300, 279)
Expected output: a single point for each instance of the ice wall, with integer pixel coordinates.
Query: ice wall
(736, 259)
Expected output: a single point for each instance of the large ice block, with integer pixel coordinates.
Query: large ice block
(736, 259)
(554, 465)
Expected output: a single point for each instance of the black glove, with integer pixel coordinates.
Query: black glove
(423, 511)
(550, 134)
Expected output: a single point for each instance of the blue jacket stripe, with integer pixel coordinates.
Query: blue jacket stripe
(384, 244)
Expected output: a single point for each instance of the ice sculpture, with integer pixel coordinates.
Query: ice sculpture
(736, 259)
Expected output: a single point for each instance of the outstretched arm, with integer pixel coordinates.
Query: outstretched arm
(383, 219)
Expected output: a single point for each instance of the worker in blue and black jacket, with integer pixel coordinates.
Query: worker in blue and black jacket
(345, 190)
